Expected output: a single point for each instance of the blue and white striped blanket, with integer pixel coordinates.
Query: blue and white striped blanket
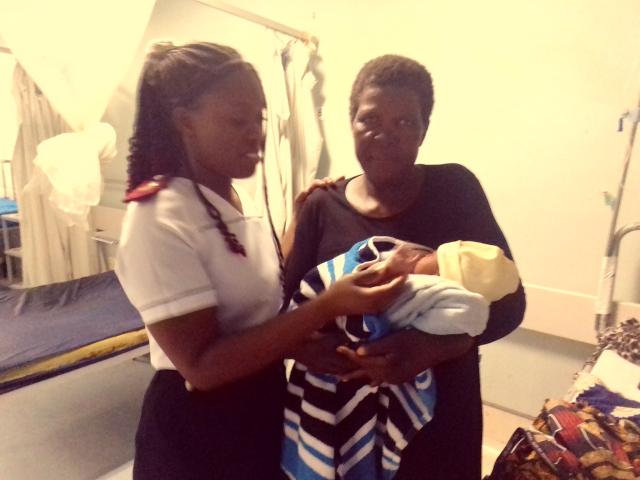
(349, 430)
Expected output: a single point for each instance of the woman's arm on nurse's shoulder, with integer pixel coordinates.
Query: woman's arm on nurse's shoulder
(207, 359)
(290, 234)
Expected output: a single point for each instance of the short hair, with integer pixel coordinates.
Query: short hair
(394, 71)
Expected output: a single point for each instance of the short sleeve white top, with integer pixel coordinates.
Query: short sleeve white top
(172, 260)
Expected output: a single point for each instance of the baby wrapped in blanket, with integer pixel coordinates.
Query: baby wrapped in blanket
(352, 430)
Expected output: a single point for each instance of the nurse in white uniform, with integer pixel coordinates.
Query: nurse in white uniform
(203, 270)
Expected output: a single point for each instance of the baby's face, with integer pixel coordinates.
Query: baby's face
(410, 259)
(427, 264)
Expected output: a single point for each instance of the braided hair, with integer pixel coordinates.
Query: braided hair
(177, 76)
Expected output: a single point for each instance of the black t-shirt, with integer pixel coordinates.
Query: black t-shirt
(451, 206)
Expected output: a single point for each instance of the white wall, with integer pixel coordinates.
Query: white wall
(528, 96)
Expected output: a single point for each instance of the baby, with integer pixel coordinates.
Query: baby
(352, 430)
(447, 291)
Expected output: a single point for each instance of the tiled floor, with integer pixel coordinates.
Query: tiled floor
(77, 427)
(121, 473)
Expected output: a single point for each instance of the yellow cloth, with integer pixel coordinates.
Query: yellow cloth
(478, 267)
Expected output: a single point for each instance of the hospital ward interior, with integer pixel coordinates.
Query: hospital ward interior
(540, 100)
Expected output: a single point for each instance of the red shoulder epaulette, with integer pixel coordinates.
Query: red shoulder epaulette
(147, 189)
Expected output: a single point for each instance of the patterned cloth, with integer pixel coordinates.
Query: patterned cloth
(571, 441)
(349, 430)
(623, 339)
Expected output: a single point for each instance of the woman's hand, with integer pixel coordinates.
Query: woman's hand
(319, 354)
(289, 235)
(354, 294)
(399, 357)
(325, 182)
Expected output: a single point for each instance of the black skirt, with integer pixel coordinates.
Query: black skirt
(232, 433)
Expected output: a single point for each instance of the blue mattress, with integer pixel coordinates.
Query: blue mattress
(8, 206)
(42, 322)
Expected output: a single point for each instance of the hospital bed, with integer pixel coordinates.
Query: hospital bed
(55, 329)
(594, 431)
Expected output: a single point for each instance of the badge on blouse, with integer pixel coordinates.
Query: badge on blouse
(147, 189)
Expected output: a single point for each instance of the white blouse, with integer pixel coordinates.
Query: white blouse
(172, 260)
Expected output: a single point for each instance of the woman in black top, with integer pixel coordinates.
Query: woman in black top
(391, 102)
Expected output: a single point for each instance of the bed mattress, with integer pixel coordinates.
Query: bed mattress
(54, 328)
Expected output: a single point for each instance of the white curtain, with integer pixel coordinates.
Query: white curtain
(304, 136)
(8, 111)
(76, 52)
(294, 139)
(51, 250)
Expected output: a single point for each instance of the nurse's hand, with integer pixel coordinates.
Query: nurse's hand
(360, 292)
(401, 356)
(319, 354)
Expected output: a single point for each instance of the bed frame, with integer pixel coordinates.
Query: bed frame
(137, 353)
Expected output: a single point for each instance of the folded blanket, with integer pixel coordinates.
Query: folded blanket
(435, 305)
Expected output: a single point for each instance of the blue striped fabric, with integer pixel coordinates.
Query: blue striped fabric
(349, 430)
